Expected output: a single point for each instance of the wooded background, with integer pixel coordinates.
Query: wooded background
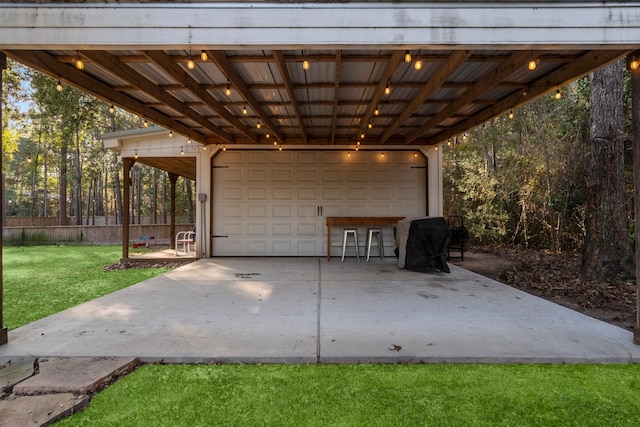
(529, 177)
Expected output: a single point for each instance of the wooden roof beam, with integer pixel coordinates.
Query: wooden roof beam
(493, 77)
(112, 63)
(568, 72)
(334, 117)
(47, 64)
(222, 62)
(167, 63)
(390, 68)
(456, 59)
(288, 84)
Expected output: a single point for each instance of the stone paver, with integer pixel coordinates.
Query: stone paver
(75, 375)
(28, 411)
(12, 374)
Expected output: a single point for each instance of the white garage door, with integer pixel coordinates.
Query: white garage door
(274, 203)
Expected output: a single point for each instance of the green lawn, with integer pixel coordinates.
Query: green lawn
(39, 281)
(42, 280)
(369, 395)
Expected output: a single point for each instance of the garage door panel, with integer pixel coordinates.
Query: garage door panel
(274, 203)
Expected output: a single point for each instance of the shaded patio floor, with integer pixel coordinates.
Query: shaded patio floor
(308, 310)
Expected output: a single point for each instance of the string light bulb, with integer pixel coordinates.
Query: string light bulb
(29, 158)
(533, 64)
(181, 151)
(258, 125)
(418, 65)
(407, 56)
(170, 134)
(305, 65)
(377, 111)
(370, 125)
(203, 55)
(387, 89)
(362, 135)
(112, 109)
(558, 94)
(268, 135)
(145, 124)
(59, 86)
(188, 140)
(228, 89)
(634, 63)
(79, 63)
(135, 156)
(511, 114)
(190, 64)
(244, 110)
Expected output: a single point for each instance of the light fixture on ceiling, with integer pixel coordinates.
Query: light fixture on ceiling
(387, 89)
(78, 62)
(203, 55)
(511, 114)
(558, 94)
(135, 156)
(280, 147)
(244, 110)
(188, 140)
(436, 148)
(258, 125)
(112, 109)
(362, 135)
(224, 148)
(190, 64)
(305, 65)
(418, 65)
(275, 142)
(227, 91)
(407, 56)
(59, 86)
(448, 142)
(145, 124)
(633, 62)
(181, 151)
(268, 135)
(170, 134)
(533, 64)
(376, 111)
(204, 147)
(370, 125)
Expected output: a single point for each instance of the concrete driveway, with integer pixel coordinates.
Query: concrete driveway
(308, 310)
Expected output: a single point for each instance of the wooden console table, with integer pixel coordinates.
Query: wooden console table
(357, 220)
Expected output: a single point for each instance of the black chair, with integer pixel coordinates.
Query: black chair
(459, 235)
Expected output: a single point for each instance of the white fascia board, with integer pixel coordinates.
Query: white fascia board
(344, 25)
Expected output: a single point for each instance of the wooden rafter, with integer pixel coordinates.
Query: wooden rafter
(223, 63)
(336, 97)
(390, 67)
(492, 78)
(167, 63)
(288, 85)
(112, 63)
(568, 72)
(456, 59)
(45, 63)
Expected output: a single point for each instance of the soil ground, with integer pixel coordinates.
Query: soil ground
(555, 277)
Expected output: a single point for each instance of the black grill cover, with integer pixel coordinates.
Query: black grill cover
(427, 245)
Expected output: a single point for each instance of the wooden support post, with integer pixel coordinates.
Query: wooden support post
(635, 141)
(4, 334)
(173, 178)
(126, 205)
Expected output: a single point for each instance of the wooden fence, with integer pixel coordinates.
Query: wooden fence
(87, 235)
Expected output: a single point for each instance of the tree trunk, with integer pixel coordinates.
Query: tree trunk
(607, 248)
(62, 183)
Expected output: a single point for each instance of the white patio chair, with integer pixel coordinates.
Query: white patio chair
(186, 242)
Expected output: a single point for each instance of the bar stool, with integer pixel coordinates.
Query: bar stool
(378, 233)
(353, 232)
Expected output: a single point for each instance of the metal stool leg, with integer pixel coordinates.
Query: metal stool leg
(378, 233)
(345, 235)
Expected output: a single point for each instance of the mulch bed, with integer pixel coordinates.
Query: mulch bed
(556, 277)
